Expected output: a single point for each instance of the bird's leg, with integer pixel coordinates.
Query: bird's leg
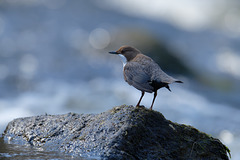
(140, 99)
(155, 95)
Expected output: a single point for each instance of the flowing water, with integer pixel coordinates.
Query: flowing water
(54, 59)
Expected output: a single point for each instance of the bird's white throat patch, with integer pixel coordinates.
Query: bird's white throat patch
(123, 58)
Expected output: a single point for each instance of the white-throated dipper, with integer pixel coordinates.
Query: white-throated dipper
(141, 72)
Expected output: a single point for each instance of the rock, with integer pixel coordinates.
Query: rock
(124, 132)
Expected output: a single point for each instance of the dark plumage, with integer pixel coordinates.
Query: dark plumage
(142, 72)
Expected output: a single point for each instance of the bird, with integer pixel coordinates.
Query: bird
(141, 72)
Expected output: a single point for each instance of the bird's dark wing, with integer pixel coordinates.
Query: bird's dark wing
(136, 75)
(159, 78)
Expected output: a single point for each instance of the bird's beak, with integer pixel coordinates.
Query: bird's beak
(113, 52)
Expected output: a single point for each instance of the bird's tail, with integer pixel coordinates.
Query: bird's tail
(178, 81)
(167, 86)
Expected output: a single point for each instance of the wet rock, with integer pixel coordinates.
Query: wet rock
(124, 132)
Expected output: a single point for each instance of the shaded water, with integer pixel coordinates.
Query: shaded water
(13, 151)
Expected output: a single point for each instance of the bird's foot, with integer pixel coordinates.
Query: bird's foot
(140, 106)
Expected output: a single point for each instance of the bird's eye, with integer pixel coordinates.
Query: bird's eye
(123, 51)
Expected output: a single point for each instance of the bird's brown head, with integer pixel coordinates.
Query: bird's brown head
(127, 51)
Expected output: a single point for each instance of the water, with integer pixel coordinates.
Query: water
(180, 105)
(54, 59)
(13, 151)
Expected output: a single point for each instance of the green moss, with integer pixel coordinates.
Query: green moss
(82, 138)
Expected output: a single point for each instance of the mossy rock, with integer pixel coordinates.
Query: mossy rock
(124, 132)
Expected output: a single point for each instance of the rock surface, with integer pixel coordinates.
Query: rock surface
(124, 132)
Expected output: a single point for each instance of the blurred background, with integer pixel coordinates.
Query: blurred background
(54, 59)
